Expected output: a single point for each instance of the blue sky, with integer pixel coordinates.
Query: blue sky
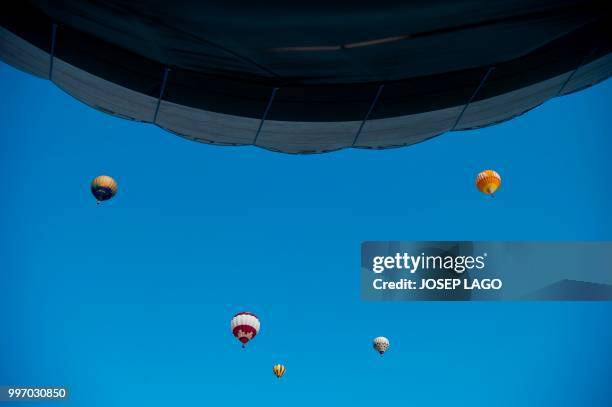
(129, 303)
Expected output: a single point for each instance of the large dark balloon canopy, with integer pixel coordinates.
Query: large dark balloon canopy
(312, 77)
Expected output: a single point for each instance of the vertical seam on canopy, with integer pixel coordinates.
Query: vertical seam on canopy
(52, 53)
(569, 78)
(367, 116)
(161, 93)
(263, 118)
(482, 82)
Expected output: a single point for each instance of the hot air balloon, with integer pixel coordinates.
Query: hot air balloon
(380, 344)
(245, 326)
(103, 188)
(279, 370)
(488, 182)
(397, 73)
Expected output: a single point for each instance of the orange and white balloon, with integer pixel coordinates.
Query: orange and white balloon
(245, 326)
(488, 182)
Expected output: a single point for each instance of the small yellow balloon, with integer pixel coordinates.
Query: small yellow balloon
(488, 182)
(279, 370)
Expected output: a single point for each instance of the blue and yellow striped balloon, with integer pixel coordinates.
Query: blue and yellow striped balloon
(103, 188)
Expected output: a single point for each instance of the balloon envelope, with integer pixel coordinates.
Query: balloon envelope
(397, 73)
(380, 344)
(279, 370)
(488, 181)
(245, 326)
(103, 188)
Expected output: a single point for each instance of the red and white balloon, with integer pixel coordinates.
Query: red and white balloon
(245, 326)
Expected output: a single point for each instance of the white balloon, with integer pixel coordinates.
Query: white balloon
(381, 344)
